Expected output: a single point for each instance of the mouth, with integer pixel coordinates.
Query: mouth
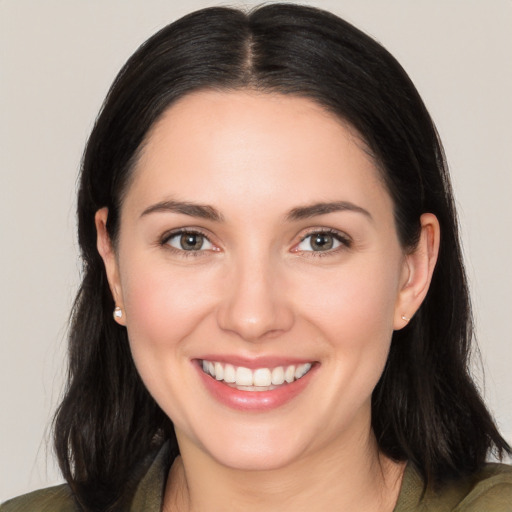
(258, 379)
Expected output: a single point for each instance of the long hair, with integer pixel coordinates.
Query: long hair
(425, 408)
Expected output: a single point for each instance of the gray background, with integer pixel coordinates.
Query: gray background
(57, 60)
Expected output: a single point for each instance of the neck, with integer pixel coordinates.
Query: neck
(355, 477)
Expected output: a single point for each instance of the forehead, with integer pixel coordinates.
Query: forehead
(211, 145)
(210, 112)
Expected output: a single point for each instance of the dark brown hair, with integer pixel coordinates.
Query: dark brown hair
(425, 408)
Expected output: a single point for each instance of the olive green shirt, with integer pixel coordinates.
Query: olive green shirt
(488, 491)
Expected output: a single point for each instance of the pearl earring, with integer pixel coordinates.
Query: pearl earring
(118, 313)
(405, 319)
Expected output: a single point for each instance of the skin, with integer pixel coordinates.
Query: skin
(257, 288)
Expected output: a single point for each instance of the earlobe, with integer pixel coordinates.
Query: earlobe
(418, 270)
(107, 253)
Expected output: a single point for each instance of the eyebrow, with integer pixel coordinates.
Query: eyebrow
(202, 211)
(306, 212)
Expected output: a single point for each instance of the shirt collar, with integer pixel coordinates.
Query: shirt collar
(150, 490)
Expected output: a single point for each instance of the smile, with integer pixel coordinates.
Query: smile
(258, 379)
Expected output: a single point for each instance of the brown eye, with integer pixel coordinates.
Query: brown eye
(322, 241)
(189, 241)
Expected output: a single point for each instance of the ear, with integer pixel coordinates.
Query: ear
(417, 271)
(107, 253)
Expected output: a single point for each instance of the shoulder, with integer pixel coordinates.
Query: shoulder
(51, 499)
(490, 489)
(487, 490)
(149, 487)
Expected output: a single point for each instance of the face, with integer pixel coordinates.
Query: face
(260, 276)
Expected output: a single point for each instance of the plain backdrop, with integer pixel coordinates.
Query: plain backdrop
(57, 60)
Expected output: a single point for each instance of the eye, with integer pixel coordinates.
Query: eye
(322, 241)
(189, 241)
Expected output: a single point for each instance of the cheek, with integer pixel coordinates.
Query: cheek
(353, 310)
(355, 304)
(350, 313)
(163, 308)
(162, 305)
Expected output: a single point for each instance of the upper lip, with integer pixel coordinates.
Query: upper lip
(256, 362)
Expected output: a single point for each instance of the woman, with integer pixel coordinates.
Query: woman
(274, 313)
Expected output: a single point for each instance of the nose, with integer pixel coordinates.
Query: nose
(255, 306)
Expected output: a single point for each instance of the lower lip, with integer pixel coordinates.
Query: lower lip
(254, 400)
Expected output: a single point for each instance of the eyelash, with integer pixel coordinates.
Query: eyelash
(345, 243)
(344, 240)
(164, 242)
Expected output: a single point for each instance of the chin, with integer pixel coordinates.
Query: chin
(253, 448)
(255, 458)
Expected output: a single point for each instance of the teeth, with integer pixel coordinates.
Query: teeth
(219, 371)
(302, 370)
(260, 379)
(229, 373)
(243, 376)
(254, 388)
(278, 376)
(289, 374)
